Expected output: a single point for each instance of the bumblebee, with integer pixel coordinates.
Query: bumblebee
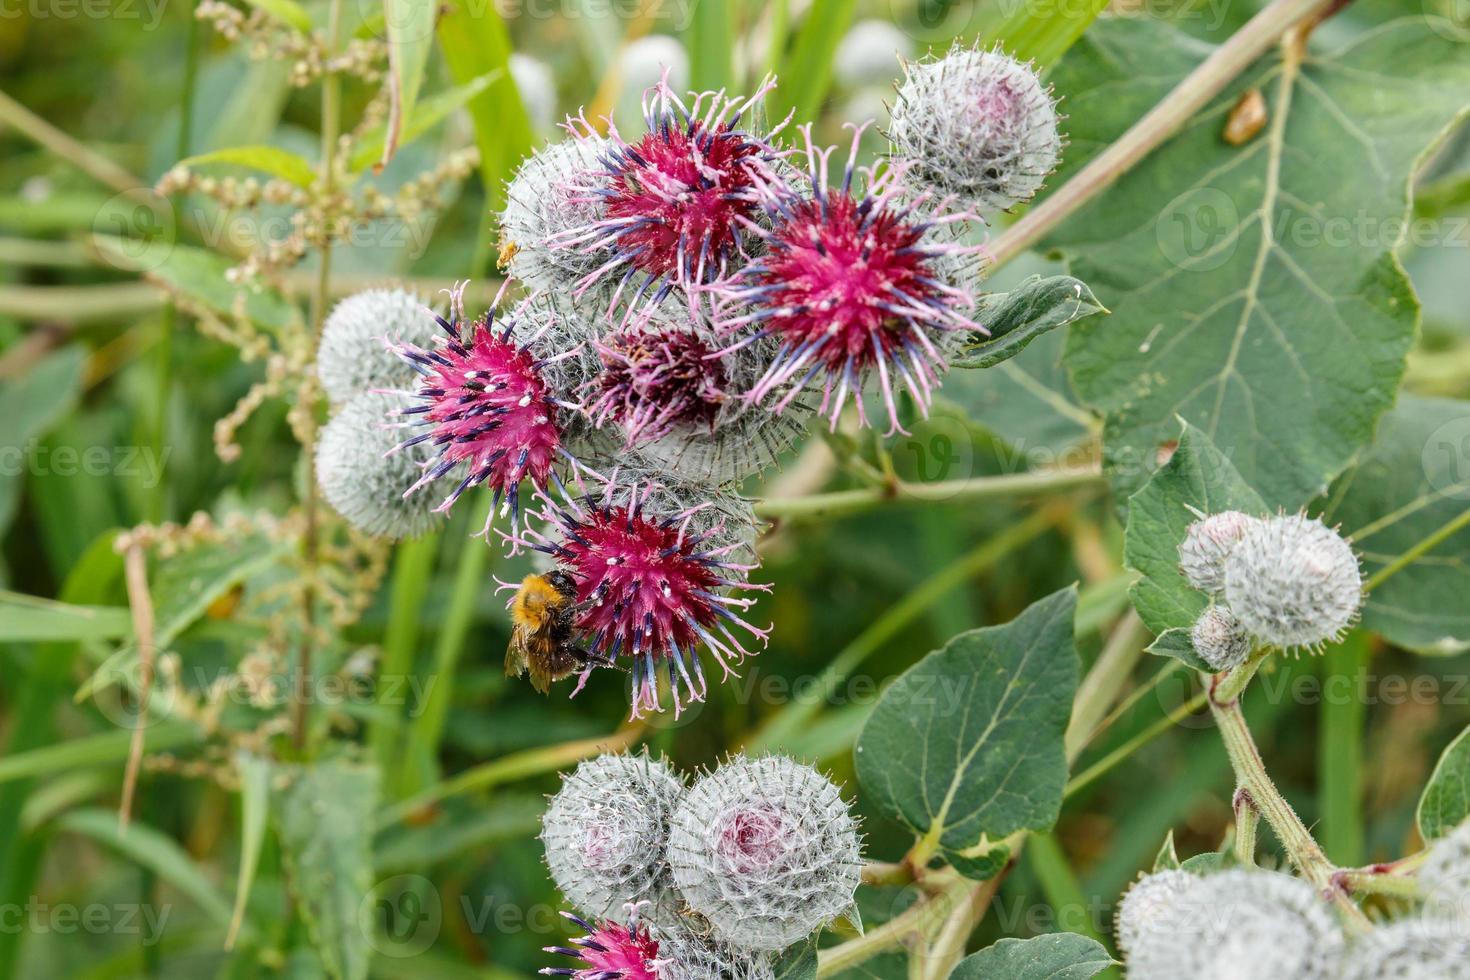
(541, 635)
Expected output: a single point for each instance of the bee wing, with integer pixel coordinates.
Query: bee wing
(515, 653)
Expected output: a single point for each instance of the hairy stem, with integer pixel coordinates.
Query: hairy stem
(1247, 820)
(842, 503)
(1164, 120)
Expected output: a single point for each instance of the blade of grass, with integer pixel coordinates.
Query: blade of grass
(1063, 892)
(104, 748)
(710, 41)
(255, 789)
(1042, 33)
(413, 568)
(1340, 751)
(806, 73)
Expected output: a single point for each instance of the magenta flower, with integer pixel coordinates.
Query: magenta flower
(487, 407)
(656, 577)
(609, 952)
(656, 379)
(675, 203)
(850, 284)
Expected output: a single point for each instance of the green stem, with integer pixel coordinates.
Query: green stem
(1106, 764)
(1418, 551)
(83, 157)
(843, 503)
(413, 568)
(1228, 687)
(1340, 750)
(1099, 689)
(1247, 821)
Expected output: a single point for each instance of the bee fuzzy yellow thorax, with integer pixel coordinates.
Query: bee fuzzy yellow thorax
(534, 601)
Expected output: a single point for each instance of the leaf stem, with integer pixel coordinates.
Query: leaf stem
(1419, 550)
(1163, 121)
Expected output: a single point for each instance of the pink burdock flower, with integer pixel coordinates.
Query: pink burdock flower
(674, 203)
(609, 952)
(848, 284)
(488, 406)
(655, 378)
(659, 569)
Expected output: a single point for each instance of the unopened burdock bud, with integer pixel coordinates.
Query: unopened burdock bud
(1410, 949)
(363, 471)
(1444, 880)
(1147, 901)
(606, 833)
(352, 357)
(540, 204)
(1241, 925)
(978, 124)
(1218, 638)
(1293, 582)
(1207, 543)
(766, 850)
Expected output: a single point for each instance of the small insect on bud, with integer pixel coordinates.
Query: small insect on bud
(978, 124)
(362, 476)
(1219, 639)
(1240, 925)
(1149, 899)
(766, 850)
(606, 832)
(1207, 543)
(1410, 949)
(540, 204)
(1444, 879)
(352, 360)
(1293, 582)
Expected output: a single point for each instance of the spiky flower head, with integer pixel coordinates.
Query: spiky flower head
(673, 393)
(1240, 925)
(978, 124)
(674, 204)
(1219, 639)
(495, 401)
(1207, 543)
(766, 850)
(1293, 582)
(362, 476)
(1410, 949)
(1444, 880)
(849, 286)
(351, 358)
(644, 951)
(541, 204)
(660, 568)
(1150, 898)
(606, 832)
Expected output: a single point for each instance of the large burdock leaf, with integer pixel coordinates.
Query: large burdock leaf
(1411, 482)
(966, 746)
(1254, 287)
(1446, 800)
(1059, 956)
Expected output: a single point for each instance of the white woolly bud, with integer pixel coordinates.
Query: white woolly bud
(686, 955)
(353, 357)
(1444, 879)
(1207, 543)
(1219, 639)
(1410, 949)
(1150, 898)
(363, 480)
(1240, 925)
(605, 834)
(544, 200)
(978, 124)
(766, 850)
(1293, 582)
(869, 53)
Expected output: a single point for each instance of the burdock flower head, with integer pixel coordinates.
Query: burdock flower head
(361, 474)
(766, 850)
(1410, 949)
(541, 204)
(495, 400)
(674, 394)
(1207, 543)
(605, 834)
(1149, 901)
(1293, 582)
(978, 124)
(660, 569)
(674, 203)
(640, 951)
(351, 358)
(849, 286)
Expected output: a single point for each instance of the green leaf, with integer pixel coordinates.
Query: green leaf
(1446, 800)
(1254, 288)
(1168, 858)
(104, 748)
(187, 583)
(1199, 476)
(324, 820)
(31, 618)
(1176, 643)
(198, 275)
(31, 405)
(154, 851)
(255, 792)
(268, 159)
(708, 39)
(1207, 863)
(797, 963)
(982, 866)
(966, 745)
(806, 73)
(425, 116)
(1059, 956)
(1414, 479)
(288, 12)
(410, 25)
(1018, 317)
(1042, 32)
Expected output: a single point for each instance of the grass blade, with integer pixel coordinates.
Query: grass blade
(1340, 750)
(806, 74)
